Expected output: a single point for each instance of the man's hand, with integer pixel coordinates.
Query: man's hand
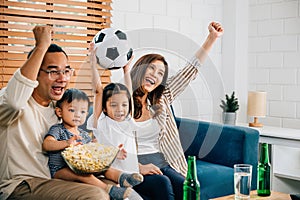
(43, 36)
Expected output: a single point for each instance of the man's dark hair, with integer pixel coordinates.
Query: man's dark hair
(51, 49)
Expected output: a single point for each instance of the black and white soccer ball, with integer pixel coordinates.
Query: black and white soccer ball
(113, 49)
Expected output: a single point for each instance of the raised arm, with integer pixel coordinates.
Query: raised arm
(31, 67)
(178, 82)
(97, 86)
(127, 78)
(20, 87)
(128, 81)
(215, 31)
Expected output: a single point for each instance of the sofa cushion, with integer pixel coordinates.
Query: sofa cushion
(227, 150)
(216, 180)
(220, 144)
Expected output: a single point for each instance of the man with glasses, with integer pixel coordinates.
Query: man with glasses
(54, 73)
(26, 114)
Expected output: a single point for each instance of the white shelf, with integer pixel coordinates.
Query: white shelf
(277, 132)
(287, 175)
(285, 156)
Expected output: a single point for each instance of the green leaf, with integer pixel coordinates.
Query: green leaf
(230, 104)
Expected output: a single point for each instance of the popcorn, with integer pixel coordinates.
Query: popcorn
(90, 158)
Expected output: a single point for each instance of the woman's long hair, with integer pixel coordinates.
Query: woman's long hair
(137, 76)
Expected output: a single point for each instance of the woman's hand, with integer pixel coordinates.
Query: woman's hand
(149, 169)
(127, 78)
(215, 29)
(126, 68)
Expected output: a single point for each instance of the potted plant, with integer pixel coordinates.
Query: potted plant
(230, 105)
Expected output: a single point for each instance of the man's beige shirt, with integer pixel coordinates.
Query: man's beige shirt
(23, 124)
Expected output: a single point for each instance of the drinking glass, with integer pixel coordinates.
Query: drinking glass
(242, 181)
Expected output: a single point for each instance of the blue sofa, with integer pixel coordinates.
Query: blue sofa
(217, 148)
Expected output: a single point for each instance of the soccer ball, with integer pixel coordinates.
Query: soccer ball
(112, 48)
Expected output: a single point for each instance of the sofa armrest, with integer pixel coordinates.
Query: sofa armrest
(220, 144)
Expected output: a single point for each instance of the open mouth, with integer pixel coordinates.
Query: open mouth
(58, 90)
(118, 116)
(150, 81)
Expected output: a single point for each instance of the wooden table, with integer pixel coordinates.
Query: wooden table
(253, 195)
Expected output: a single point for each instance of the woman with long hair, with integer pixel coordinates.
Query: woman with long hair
(159, 148)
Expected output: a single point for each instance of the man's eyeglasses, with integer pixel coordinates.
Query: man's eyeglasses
(54, 74)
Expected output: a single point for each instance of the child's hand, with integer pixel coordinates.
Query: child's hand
(75, 140)
(94, 140)
(122, 153)
(92, 51)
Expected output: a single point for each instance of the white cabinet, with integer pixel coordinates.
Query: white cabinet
(286, 162)
(285, 157)
(286, 168)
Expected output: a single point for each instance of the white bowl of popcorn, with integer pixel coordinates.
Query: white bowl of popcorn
(90, 158)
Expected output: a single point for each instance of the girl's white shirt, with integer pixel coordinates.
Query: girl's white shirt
(111, 132)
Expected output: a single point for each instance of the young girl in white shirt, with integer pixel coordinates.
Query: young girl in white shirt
(111, 120)
(113, 124)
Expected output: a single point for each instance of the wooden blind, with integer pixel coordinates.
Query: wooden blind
(75, 22)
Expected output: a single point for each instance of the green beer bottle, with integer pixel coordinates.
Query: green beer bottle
(264, 172)
(191, 186)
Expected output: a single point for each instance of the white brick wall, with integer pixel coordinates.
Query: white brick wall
(282, 109)
(284, 43)
(292, 26)
(185, 9)
(270, 27)
(292, 59)
(274, 91)
(274, 47)
(259, 12)
(283, 76)
(259, 76)
(257, 44)
(267, 60)
(150, 7)
(285, 9)
(292, 93)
